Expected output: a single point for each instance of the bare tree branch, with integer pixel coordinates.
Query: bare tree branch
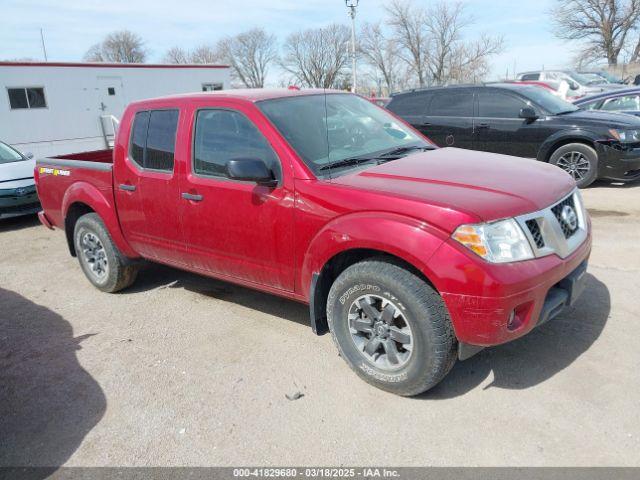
(250, 54)
(603, 24)
(317, 57)
(380, 53)
(119, 47)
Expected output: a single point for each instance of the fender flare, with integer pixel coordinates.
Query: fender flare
(578, 134)
(104, 205)
(412, 240)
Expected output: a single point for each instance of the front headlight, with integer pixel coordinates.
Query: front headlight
(497, 242)
(626, 136)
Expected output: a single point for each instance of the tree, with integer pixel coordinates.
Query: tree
(176, 55)
(119, 47)
(604, 25)
(317, 57)
(450, 57)
(250, 54)
(409, 26)
(202, 54)
(380, 53)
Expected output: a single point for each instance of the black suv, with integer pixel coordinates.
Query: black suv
(526, 121)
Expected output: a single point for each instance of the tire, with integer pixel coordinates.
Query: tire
(101, 261)
(414, 309)
(573, 158)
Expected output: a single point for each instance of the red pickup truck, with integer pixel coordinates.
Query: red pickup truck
(410, 255)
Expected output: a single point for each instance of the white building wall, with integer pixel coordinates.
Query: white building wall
(77, 96)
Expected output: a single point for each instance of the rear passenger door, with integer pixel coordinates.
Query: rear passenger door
(449, 118)
(498, 127)
(147, 187)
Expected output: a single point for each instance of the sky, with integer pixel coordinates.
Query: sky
(71, 26)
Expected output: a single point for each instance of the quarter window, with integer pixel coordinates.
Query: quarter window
(499, 105)
(452, 104)
(223, 135)
(25, 98)
(153, 139)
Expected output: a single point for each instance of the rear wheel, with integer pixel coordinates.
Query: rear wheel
(391, 327)
(578, 160)
(101, 261)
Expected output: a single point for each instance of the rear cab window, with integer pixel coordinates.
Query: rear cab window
(153, 139)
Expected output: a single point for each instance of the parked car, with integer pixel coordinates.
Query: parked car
(17, 187)
(624, 101)
(603, 75)
(526, 121)
(380, 101)
(559, 89)
(410, 255)
(579, 86)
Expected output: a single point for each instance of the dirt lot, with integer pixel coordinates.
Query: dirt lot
(184, 370)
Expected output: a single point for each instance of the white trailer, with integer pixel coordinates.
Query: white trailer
(58, 108)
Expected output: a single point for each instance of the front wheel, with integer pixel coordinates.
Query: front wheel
(578, 160)
(391, 327)
(101, 261)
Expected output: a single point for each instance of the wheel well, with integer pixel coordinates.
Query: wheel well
(76, 210)
(322, 281)
(567, 141)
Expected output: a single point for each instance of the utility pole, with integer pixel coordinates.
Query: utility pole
(44, 49)
(352, 5)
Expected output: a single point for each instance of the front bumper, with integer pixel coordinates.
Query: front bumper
(618, 163)
(492, 304)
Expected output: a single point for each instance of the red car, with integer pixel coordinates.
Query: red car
(410, 255)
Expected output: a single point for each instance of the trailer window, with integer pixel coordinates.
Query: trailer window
(25, 98)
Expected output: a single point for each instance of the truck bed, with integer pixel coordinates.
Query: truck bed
(54, 176)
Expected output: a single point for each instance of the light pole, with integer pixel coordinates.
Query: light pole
(352, 5)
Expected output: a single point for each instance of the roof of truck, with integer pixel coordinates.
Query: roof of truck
(250, 94)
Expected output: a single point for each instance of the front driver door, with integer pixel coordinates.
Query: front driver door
(236, 228)
(498, 127)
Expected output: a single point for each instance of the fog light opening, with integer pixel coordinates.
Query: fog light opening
(518, 316)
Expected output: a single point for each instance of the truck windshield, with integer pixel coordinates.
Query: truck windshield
(8, 154)
(333, 129)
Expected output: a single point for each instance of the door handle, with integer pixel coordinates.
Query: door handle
(425, 124)
(127, 187)
(483, 125)
(194, 197)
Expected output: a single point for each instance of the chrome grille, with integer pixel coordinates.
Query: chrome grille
(535, 231)
(557, 210)
(550, 231)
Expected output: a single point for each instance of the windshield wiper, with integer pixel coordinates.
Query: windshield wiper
(348, 162)
(401, 151)
(394, 154)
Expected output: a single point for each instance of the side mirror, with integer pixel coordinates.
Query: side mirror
(29, 155)
(574, 86)
(250, 170)
(528, 114)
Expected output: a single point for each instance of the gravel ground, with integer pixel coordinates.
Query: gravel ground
(185, 370)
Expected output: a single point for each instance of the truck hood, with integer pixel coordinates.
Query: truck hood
(486, 185)
(16, 174)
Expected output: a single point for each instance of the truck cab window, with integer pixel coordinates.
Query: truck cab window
(161, 140)
(153, 138)
(223, 135)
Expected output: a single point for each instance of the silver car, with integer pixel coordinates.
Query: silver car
(17, 188)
